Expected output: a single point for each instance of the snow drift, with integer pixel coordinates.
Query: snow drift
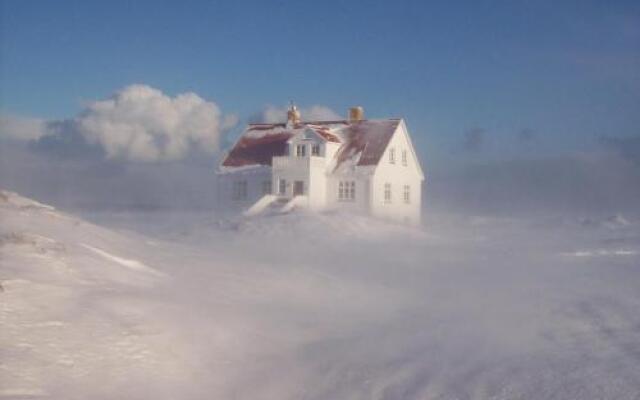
(317, 307)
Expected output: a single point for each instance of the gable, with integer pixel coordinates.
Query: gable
(311, 134)
(325, 132)
(412, 151)
(400, 143)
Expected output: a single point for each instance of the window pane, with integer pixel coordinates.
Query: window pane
(239, 190)
(387, 193)
(266, 187)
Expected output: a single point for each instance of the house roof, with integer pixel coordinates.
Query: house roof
(366, 141)
(363, 142)
(257, 150)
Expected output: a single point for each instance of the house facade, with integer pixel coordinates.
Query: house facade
(365, 166)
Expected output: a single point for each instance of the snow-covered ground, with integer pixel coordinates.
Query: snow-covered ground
(316, 307)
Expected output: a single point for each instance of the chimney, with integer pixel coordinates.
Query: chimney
(293, 116)
(356, 114)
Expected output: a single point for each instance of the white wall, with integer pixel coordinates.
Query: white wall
(398, 175)
(330, 150)
(361, 201)
(309, 169)
(318, 189)
(397, 209)
(254, 177)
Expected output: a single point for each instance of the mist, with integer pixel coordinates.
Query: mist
(520, 283)
(121, 279)
(318, 306)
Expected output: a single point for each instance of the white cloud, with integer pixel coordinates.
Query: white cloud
(138, 123)
(141, 123)
(21, 128)
(272, 114)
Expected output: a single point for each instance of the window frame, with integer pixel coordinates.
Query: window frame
(240, 191)
(301, 150)
(388, 194)
(267, 187)
(315, 150)
(392, 155)
(406, 194)
(347, 191)
(298, 184)
(405, 158)
(282, 186)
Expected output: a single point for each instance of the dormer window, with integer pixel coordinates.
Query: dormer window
(301, 150)
(315, 150)
(392, 156)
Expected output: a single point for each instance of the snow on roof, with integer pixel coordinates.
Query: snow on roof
(364, 141)
(325, 132)
(257, 147)
(367, 140)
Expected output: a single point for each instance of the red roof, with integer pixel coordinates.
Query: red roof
(369, 139)
(366, 139)
(258, 151)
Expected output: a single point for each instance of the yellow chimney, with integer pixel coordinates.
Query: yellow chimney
(293, 115)
(356, 114)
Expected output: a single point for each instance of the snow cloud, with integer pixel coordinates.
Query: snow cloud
(627, 147)
(138, 123)
(21, 128)
(587, 183)
(272, 114)
(474, 140)
(526, 135)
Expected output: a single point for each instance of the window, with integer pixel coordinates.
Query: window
(240, 190)
(315, 150)
(347, 190)
(387, 193)
(392, 156)
(266, 187)
(406, 194)
(404, 158)
(301, 150)
(282, 186)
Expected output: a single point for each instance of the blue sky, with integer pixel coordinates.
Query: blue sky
(568, 72)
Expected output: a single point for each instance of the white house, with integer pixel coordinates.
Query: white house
(367, 166)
